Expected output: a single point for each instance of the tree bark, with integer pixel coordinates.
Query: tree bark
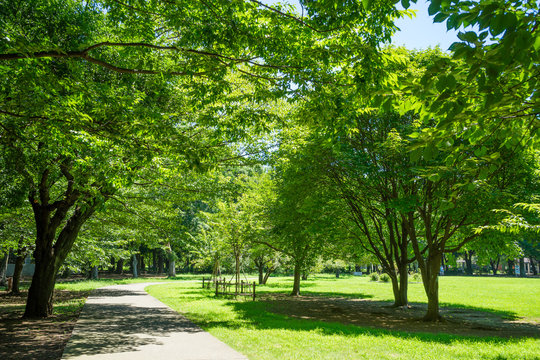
(111, 269)
(134, 264)
(296, 283)
(400, 288)
(269, 271)
(142, 264)
(50, 254)
(3, 269)
(95, 273)
(261, 274)
(495, 265)
(160, 263)
(19, 263)
(468, 262)
(431, 285)
(172, 268)
(533, 266)
(120, 266)
(510, 270)
(522, 267)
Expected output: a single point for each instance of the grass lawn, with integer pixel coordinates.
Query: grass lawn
(251, 328)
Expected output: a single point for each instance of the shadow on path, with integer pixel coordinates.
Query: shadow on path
(125, 322)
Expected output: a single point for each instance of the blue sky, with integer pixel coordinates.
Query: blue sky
(417, 33)
(421, 33)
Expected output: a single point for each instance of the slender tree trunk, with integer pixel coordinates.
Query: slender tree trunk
(134, 265)
(142, 265)
(160, 263)
(522, 267)
(297, 275)
(468, 262)
(172, 268)
(431, 285)
(110, 269)
(120, 266)
(19, 263)
(154, 261)
(269, 271)
(3, 269)
(95, 273)
(261, 274)
(510, 270)
(533, 266)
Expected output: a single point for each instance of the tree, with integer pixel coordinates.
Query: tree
(304, 211)
(371, 173)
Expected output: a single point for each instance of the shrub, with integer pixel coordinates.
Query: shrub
(416, 277)
(384, 278)
(374, 276)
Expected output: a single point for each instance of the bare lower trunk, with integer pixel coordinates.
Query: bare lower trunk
(522, 267)
(120, 266)
(172, 268)
(296, 284)
(269, 271)
(261, 274)
(19, 263)
(400, 288)
(160, 263)
(40, 294)
(95, 273)
(3, 269)
(431, 286)
(533, 267)
(134, 266)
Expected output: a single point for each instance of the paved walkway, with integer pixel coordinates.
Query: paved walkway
(124, 322)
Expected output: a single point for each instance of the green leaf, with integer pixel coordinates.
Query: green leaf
(434, 7)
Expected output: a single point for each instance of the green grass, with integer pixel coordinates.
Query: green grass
(260, 334)
(513, 297)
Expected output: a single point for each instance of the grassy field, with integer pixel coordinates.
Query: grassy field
(254, 330)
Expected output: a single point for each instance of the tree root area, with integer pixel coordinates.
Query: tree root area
(379, 315)
(45, 339)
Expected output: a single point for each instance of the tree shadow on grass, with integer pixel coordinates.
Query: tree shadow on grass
(365, 317)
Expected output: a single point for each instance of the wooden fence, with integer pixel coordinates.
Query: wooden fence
(224, 287)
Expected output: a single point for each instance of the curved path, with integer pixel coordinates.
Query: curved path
(124, 322)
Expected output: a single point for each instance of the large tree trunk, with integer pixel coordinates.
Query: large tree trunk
(40, 294)
(297, 276)
(19, 263)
